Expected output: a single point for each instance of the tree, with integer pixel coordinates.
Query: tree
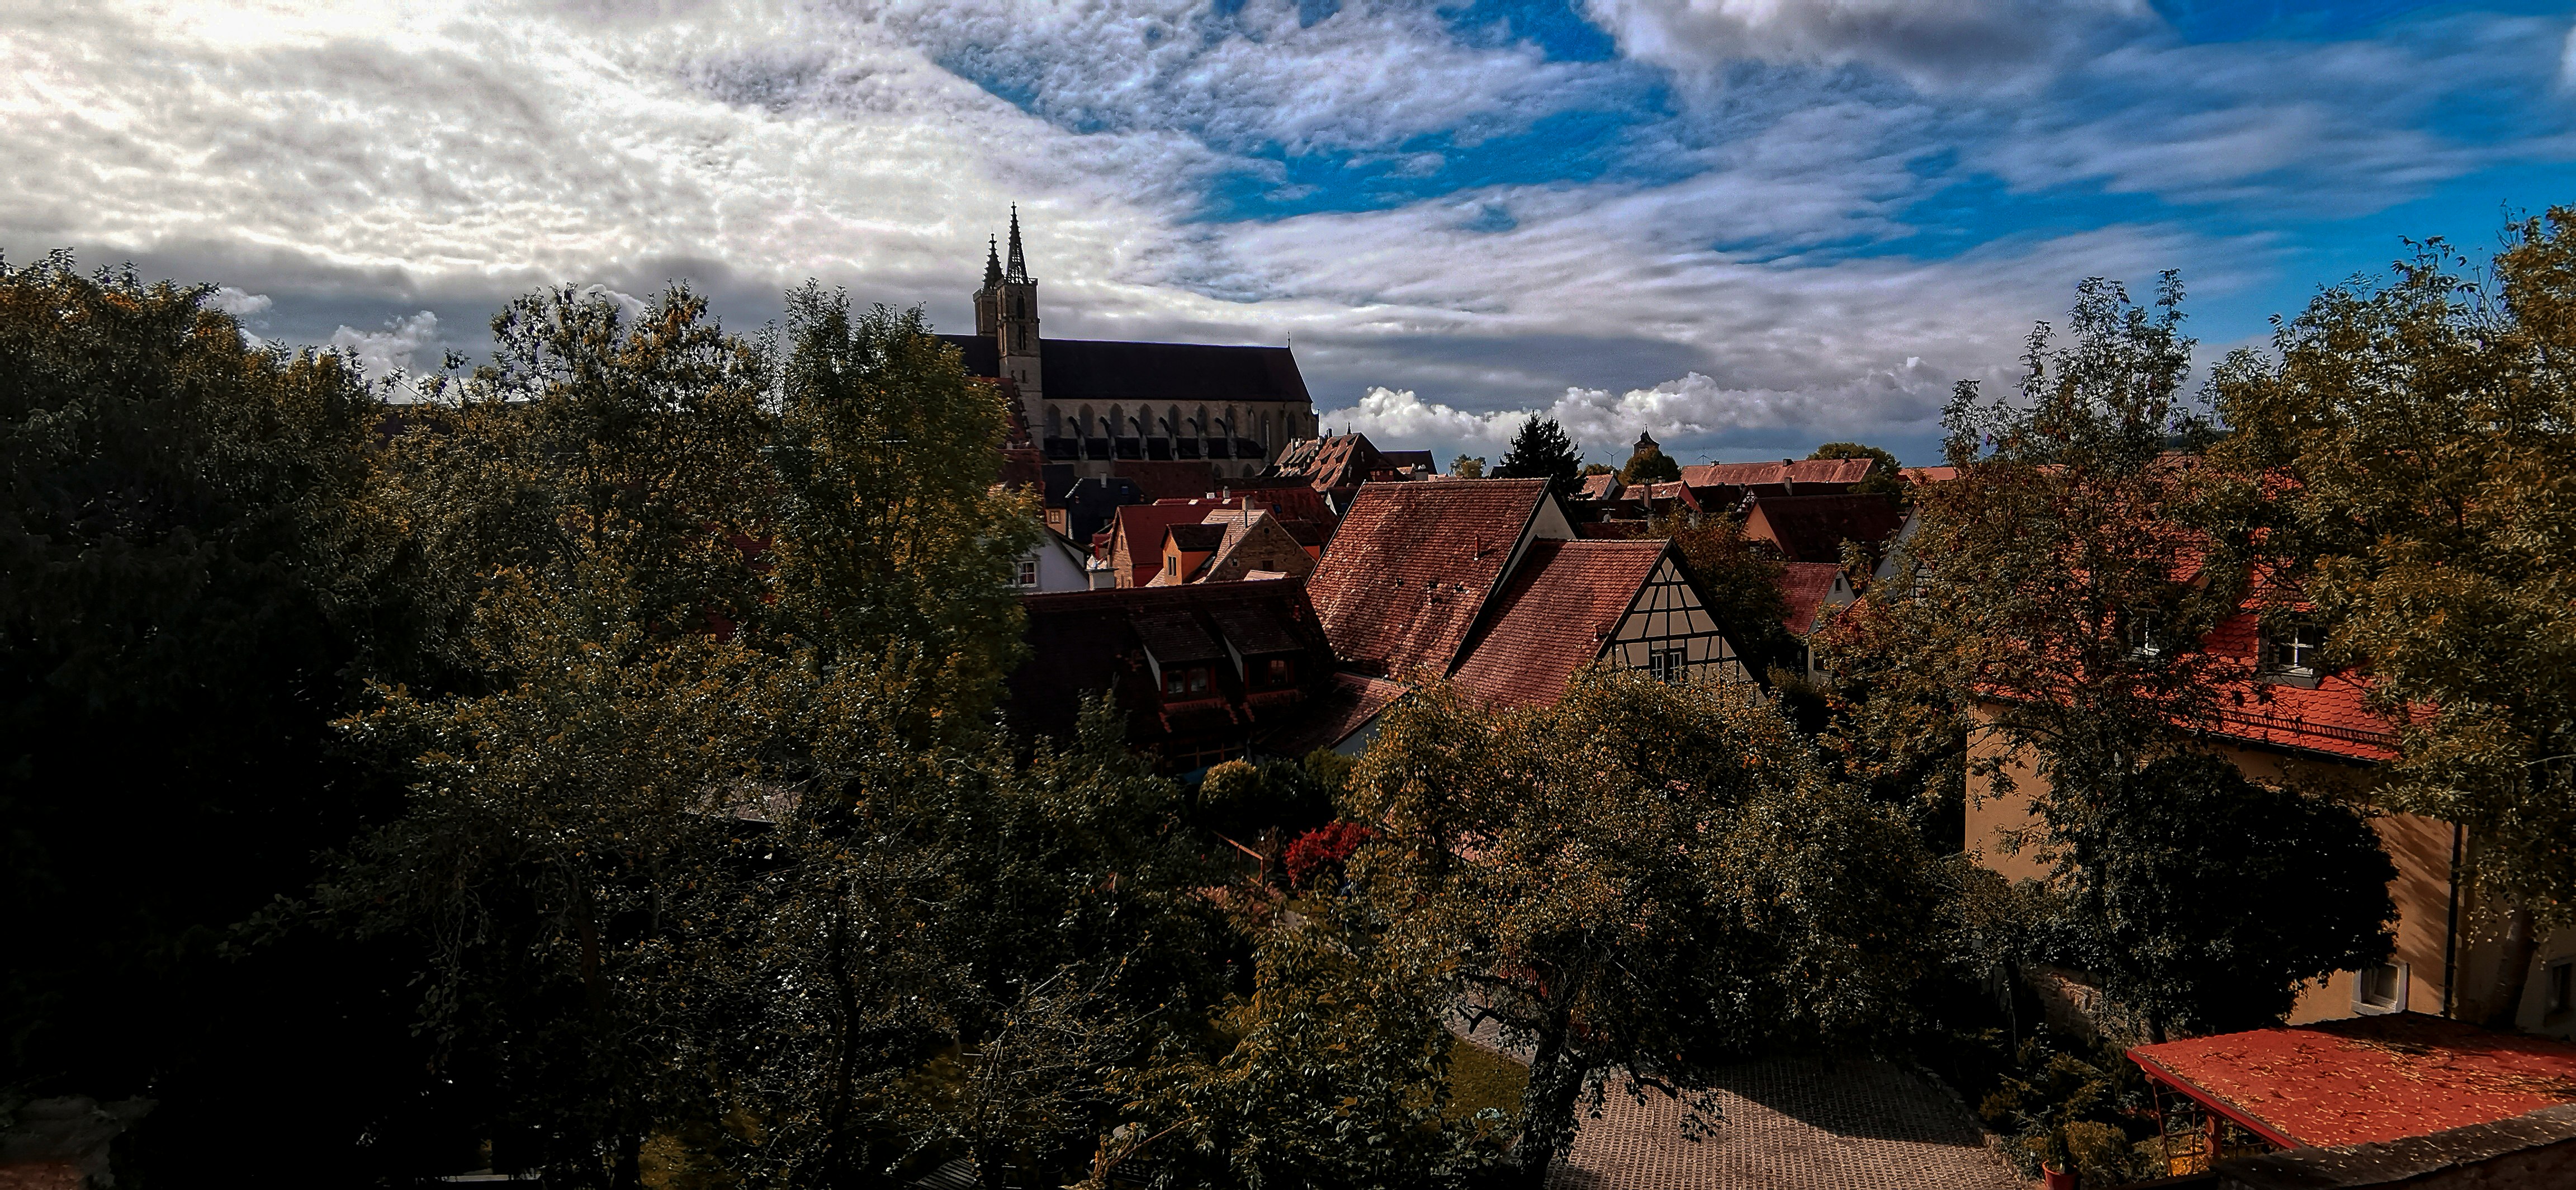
(1332, 1073)
(2178, 853)
(196, 584)
(2417, 443)
(1542, 451)
(2053, 599)
(1650, 465)
(1468, 466)
(1884, 478)
(592, 498)
(1643, 879)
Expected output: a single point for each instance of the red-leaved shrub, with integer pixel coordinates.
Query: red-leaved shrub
(1322, 850)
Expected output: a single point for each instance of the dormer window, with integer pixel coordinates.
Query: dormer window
(2294, 654)
(1191, 682)
(2146, 637)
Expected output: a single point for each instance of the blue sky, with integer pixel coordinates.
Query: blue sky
(1746, 226)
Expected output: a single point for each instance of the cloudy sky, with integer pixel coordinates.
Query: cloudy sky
(1744, 225)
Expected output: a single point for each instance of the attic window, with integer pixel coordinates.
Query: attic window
(1185, 683)
(2295, 654)
(1668, 665)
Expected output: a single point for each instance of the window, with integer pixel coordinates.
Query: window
(2379, 989)
(2294, 654)
(2146, 636)
(1028, 572)
(2557, 994)
(1278, 672)
(1668, 665)
(1186, 683)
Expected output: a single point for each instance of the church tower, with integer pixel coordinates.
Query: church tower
(988, 299)
(1014, 300)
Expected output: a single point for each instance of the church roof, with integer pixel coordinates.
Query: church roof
(1106, 370)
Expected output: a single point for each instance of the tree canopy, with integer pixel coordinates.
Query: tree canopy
(1608, 880)
(2413, 442)
(1542, 451)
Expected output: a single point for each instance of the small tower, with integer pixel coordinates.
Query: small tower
(1646, 444)
(1016, 318)
(988, 311)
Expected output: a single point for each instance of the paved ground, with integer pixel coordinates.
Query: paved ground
(1790, 1124)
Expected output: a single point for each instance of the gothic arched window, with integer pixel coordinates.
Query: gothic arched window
(1055, 422)
(1172, 422)
(1082, 422)
(1117, 422)
(1200, 422)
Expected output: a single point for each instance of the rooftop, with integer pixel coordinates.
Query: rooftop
(2365, 1080)
(1555, 616)
(1190, 374)
(1744, 475)
(1412, 564)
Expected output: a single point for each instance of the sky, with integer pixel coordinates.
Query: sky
(1744, 226)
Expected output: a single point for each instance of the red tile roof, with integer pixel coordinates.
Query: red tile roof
(1804, 471)
(1342, 461)
(1087, 642)
(2334, 718)
(2365, 1080)
(1813, 528)
(1803, 588)
(1138, 530)
(1555, 616)
(1411, 566)
(1604, 486)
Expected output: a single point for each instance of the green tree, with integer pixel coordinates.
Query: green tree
(195, 585)
(1883, 478)
(591, 498)
(1650, 465)
(1638, 882)
(2052, 600)
(1332, 1073)
(2418, 437)
(2174, 859)
(1542, 451)
(1468, 466)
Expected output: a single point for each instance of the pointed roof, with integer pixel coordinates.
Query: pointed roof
(992, 263)
(1412, 565)
(1813, 528)
(1804, 587)
(1556, 615)
(1019, 266)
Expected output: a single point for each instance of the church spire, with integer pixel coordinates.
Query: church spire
(992, 263)
(1019, 269)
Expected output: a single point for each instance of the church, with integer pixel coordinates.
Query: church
(1092, 403)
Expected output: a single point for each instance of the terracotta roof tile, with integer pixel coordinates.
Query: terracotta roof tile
(1412, 564)
(2366, 1080)
(1745, 475)
(1803, 588)
(1813, 528)
(1556, 615)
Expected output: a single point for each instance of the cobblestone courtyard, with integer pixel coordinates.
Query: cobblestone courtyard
(1790, 1124)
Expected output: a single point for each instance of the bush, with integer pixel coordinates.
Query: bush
(1323, 851)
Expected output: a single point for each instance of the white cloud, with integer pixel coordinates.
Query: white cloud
(354, 159)
(234, 301)
(386, 355)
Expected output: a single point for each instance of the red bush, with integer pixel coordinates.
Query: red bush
(1322, 848)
